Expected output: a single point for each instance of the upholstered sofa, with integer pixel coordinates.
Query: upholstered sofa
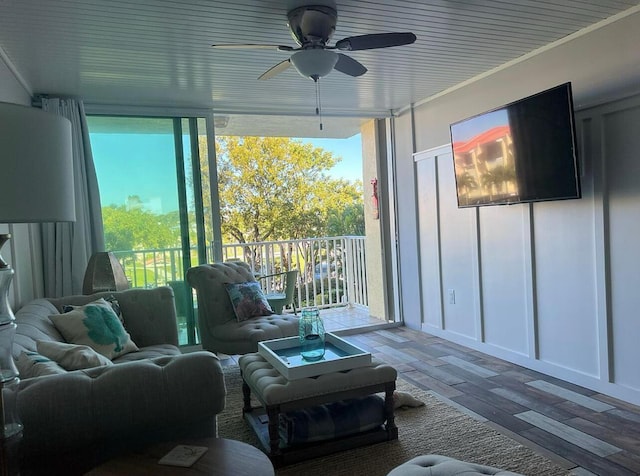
(220, 330)
(77, 419)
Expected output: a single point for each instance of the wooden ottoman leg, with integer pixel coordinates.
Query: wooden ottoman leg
(275, 453)
(246, 397)
(392, 429)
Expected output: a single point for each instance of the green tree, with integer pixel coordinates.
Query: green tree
(136, 228)
(277, 188)
(346, 221)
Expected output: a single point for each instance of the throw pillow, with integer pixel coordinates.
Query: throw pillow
(248, 300)
(96, 325)
(31, 364)
(71, 356)
(115, 305)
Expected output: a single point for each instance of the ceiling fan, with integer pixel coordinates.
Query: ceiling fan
(311, 27)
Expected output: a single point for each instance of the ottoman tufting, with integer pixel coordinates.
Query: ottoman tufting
(436, 465)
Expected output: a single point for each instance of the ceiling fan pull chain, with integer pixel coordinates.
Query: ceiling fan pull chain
(318, 106)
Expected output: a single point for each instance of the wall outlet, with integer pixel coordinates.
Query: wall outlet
(452, 296)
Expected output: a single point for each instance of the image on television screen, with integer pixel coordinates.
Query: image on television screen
(522, 152)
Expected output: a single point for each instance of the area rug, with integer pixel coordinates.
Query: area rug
(436, 428)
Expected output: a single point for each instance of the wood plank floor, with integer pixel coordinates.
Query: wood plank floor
(582, 430)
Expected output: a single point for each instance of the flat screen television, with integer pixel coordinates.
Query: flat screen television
(524, 151)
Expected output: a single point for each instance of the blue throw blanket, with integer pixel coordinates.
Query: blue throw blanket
(331, 420)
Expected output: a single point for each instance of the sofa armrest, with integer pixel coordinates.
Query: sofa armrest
(96, 408)
(149, 314)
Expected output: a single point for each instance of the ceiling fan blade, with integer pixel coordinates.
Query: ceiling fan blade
(376, 40)
(249, 46)
(348, 65)
(277, 69)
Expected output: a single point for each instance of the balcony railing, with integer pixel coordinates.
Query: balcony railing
(332, 270)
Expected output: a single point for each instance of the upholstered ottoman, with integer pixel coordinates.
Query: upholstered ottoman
(436, 465)
(346, 393)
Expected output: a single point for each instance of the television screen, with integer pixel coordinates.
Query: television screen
(522, 152)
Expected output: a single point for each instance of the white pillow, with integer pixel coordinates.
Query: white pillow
(71, 356)
(96, 325)
(31, 364)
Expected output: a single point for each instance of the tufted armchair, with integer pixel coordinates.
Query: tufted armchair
(219, 329)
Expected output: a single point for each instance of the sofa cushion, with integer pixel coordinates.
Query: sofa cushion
(149, 352)
(72, 356)
(32, 364)
(97, 326)
(248, 300)
(34, 324)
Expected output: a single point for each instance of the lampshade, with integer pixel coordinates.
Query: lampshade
(104, 273)
(314, 64)
(36, 166)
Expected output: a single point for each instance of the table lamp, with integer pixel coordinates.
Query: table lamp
(104, 273)
(36, 173)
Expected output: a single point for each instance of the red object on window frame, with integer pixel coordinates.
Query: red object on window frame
(374, 199)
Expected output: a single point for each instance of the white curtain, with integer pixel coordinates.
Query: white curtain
(67, 247)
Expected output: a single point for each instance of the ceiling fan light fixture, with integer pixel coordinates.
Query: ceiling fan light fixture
(314, 63)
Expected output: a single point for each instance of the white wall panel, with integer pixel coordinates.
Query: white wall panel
(458, 238)
(503, 276)
(429, 240)
(622, 155)
(566, 285)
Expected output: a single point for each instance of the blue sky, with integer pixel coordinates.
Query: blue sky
(465, 130)
(350, 150)
(122, 166)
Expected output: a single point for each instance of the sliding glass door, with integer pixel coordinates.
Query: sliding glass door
(153, 175)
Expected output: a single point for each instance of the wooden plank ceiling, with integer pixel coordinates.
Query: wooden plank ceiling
(157, 52)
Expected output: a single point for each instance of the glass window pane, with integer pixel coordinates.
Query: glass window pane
(135, 160)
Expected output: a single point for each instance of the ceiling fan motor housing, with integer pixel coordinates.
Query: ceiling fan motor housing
(312, 24)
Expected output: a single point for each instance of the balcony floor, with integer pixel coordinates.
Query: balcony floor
(341, 318)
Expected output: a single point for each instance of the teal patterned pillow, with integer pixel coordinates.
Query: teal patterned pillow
(247, 300)
(97, 326)
(115, 305)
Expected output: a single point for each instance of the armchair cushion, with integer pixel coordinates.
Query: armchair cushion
(247, 300)
(97, 326)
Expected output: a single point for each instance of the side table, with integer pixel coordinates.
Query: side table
(224, 458)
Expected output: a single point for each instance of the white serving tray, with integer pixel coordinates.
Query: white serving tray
(284, 355)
